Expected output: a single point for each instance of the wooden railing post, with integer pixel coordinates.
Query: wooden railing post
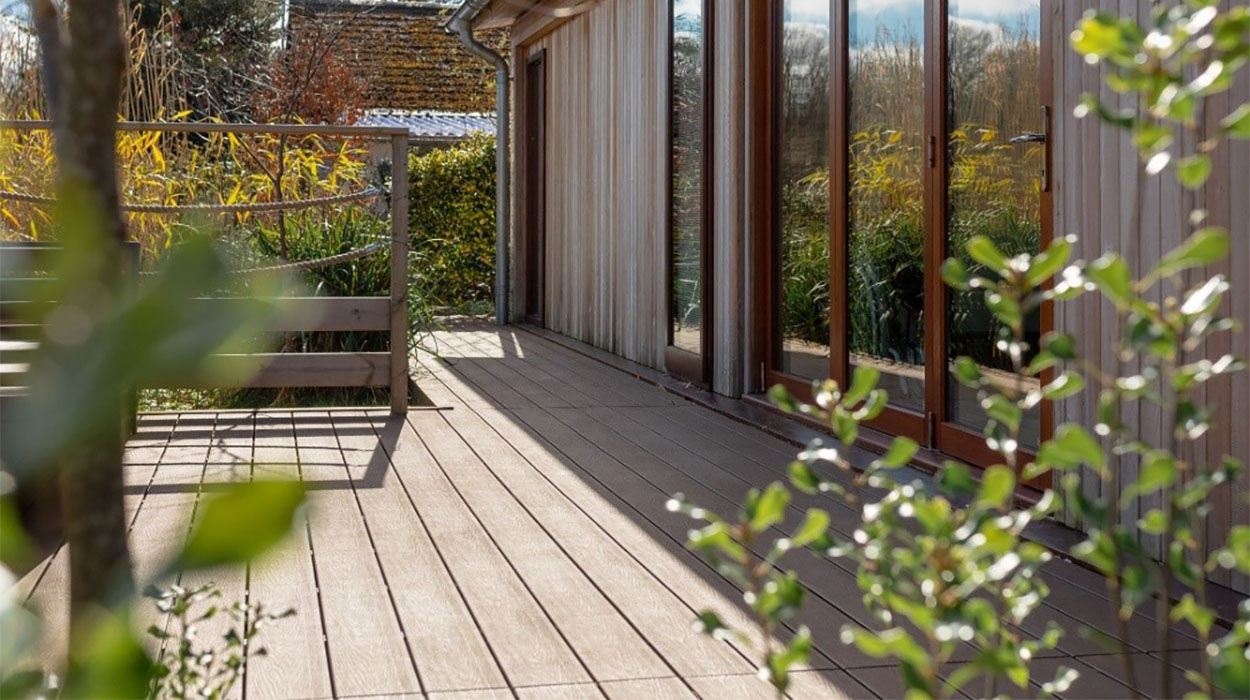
(399, 274)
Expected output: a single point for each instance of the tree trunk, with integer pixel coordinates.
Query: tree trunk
(88, 63)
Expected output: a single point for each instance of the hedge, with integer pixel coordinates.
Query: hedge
(451, 211)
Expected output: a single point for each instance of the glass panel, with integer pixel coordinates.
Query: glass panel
(994, 186)
(803, 282)
(687, 193)
(885, 243)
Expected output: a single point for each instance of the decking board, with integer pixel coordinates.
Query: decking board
(513, 541)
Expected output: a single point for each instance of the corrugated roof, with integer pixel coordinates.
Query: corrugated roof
(432, 124)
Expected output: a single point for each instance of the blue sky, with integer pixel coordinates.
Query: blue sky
(899, 15)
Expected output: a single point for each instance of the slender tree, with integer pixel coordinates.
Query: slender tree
(83, 55)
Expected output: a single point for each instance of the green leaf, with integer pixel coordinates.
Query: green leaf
(892, 642)
(862, 382)
(1055, 347)
(1098, 36)
(796, 652)
(1154, 522)
(107, 661)
(242, 523)
(714, 540)
(1064, 677)
(1049, 262)
(999, 408)
(1004, 308)
(1235, 554)
(1158, 470)
(1202, 618)
(1206, 297)
(956, 479)
(783, 399)
(845, 427)
(955, 274)
(899, 454)
(1193, 171)
(1077, 446)
(983, 250)
(1206, 246)
(1099, 551)
(1111, 275)
(770, 509)
(1063, 386)
(997, 484)
(709, 623)
(813, 528)
(803, 478)
(1237, 124)
(967, 372)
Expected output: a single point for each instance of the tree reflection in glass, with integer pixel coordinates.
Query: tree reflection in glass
(886, 233)
(994, 186)
(686, 314)
(803, 282)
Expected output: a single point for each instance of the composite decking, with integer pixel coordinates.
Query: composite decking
(513, 541)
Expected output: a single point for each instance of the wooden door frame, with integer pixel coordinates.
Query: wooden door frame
(695, 367)
(949, 437)
(930, 428)
(535, 194)
(768, 43)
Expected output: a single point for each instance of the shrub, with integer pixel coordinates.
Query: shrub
(451, 211)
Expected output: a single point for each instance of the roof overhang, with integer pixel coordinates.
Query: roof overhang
(493, 14)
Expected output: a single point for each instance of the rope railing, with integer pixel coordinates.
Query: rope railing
(381, 313)
(249, 207)
(303, 265)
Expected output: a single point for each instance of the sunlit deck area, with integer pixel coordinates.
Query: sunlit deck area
(513, 541)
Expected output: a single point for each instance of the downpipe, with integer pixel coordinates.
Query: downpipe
(503, 176)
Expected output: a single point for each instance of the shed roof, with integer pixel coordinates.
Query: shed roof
(432, 125)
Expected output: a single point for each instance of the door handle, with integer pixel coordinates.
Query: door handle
(1029, 138)
(1043, 138)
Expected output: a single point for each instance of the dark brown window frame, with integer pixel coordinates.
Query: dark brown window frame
(931, 428)
(535, 196)
(695, 367)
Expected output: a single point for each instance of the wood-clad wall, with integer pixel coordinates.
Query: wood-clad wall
(606, 199)
(607, 151)
(1100, 191)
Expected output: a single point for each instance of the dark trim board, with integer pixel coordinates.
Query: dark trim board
(534, 188)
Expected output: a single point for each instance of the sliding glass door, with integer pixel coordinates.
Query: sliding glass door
(901, 130)
(884, 157)
(996, 181)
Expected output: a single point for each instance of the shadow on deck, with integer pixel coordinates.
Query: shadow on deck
(514, 542)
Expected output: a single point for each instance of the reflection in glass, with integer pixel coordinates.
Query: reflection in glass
(686, 313)
(803, 284)
(993, 186)
(885, 242)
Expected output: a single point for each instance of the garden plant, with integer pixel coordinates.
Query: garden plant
(947, 563)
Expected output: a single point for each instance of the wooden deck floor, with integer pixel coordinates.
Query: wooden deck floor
(515, 543)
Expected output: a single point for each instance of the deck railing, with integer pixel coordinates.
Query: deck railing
(307, 314)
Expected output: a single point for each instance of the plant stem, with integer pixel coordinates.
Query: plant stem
(1112, 484)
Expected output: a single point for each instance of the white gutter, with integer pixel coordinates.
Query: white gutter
(461, 24)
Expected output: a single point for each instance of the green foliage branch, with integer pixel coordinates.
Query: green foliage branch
(1167, 70)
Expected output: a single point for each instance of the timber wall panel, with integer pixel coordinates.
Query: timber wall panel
(728, 179)
(606, 151)
(1102, 196)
